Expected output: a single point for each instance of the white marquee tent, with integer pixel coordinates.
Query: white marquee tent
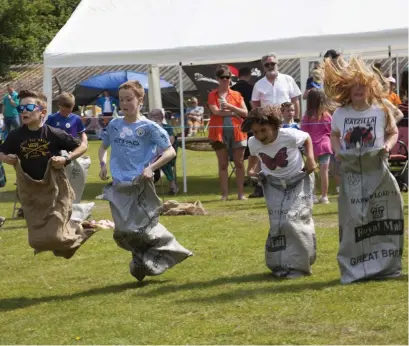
(174, 32)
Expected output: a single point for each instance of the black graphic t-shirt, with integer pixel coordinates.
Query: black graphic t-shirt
(35, 148)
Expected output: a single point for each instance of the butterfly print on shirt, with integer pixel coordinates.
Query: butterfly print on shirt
(279, 160)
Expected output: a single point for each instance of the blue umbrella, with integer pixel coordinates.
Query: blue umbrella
(112, 80)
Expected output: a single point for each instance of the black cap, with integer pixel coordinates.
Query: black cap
(332, 53)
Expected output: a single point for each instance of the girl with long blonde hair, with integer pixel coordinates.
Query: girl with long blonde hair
(370, 207)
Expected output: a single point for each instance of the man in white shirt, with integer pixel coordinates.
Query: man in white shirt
(275, 88)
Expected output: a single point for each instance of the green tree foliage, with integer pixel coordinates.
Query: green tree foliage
(27, 26)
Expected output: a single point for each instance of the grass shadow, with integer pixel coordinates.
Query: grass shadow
(11, 228)
(243, 293)
(289, 288)
(7, 196)
(9, 304)
(253, 278)
(93, 189)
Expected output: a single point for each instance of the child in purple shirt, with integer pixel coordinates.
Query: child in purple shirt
(65, 120)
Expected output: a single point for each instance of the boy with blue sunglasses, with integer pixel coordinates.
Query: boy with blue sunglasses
(35, 144)
(43, 187)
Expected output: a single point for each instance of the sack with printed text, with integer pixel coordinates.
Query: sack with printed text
(371, 220)
(77, 172)
(290, 247)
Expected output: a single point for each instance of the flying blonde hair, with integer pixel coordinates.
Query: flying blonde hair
(340, 78)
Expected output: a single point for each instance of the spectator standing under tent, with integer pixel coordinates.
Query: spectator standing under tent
(10, 112)
(107, 103)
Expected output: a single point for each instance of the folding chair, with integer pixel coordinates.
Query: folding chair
(205, 124)
(231, 160)
(232, 166)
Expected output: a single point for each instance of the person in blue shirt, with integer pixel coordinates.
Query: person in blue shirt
(134, 142)
(287, 113)
(107, 103)
(67, 121)
(10, 112)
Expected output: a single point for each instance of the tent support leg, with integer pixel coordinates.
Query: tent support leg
(48, 88)
(154, 92)
(182, 126)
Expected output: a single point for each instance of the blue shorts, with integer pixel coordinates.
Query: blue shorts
(324, 159)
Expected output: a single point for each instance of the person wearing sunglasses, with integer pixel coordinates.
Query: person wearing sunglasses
(35, 144)
(275, 88)
(227, 112)
(44, 192)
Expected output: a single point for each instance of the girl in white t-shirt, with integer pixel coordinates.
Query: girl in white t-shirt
(370, 207)
(276, 148)
(288, 189)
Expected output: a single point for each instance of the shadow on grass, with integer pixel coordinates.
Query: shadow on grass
(9, 304)
(288, 288)
(93, 189)
(7, 196)
(253, 278)
(11, 228)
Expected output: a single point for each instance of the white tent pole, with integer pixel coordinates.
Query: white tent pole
(390, 60)
(397, 74)
(182, 126)
(304, 72)
(154, 92)
(48, 88)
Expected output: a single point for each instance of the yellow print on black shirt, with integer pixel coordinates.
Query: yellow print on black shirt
(36, 147)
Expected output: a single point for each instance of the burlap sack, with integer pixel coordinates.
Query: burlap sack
(47, 206)
(291, 246)
(135, 210)
(371, 223)
(175, 208)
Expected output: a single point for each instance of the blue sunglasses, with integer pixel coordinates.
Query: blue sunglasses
(29, 108)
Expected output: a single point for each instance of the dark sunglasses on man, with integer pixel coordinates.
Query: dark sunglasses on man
(224, 77)
(29, 108)
(270, 64)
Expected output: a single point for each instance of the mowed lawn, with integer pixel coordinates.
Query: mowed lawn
(224, 294)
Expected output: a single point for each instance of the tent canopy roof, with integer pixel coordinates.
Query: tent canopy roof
(118, 32)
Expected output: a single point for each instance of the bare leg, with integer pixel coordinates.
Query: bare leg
(238, 157)
(223, 161)
(196, 126)
(190, 126)
(324, 179)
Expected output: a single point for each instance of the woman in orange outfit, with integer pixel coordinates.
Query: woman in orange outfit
(227, 112)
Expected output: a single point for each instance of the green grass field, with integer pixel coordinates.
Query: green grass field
(222, 295)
